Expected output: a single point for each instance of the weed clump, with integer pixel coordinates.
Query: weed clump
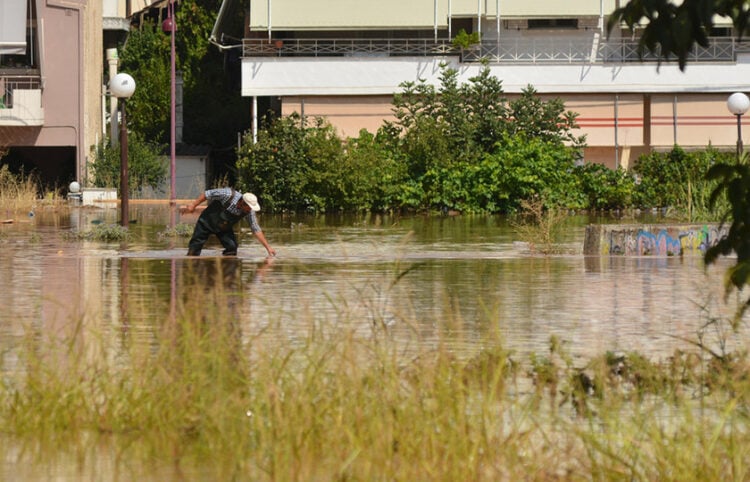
(101, 232)
(18, 193)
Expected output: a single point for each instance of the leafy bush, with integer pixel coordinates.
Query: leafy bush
(534, 167)
(276, 167)
(371, 176)
(677, 180)
(146, 165)
(605, 188)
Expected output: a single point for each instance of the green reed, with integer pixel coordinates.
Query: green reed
(340, 402)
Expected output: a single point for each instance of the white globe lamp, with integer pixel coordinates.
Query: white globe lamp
(122, 85)
(738, 103)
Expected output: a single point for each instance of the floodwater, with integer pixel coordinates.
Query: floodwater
(447, 280)
(450, 279)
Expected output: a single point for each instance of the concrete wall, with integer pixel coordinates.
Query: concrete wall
(651, 240)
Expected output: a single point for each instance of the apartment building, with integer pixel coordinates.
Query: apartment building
(54, 103)
(344, 59)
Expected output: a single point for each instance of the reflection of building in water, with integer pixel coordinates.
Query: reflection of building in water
(51, 289)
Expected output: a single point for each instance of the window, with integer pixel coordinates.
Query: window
(553, 23)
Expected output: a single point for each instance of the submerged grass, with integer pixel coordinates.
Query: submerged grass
(337, 403)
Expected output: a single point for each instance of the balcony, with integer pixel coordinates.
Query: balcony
(21, 101)
(513, 50)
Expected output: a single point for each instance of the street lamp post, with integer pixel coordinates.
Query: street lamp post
(122, 86)
(170, 26)
(738, 103)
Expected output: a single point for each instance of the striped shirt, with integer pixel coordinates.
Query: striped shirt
(229, 201)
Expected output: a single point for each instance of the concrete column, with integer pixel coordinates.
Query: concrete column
(113, 61)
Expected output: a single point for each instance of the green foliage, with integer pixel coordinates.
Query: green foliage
(465, 40)
(146, 58)
(527, 168)
(181, 230)
(213, 108)
(146, 165)
(102, 232)
(671, 29)
(677, 179)
(605, 188)
(464, 145)
(276, 167)
(294, 166)
(734, 185)
(370, 175)
(547, 120)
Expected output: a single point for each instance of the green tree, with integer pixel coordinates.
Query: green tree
(214, 112)
(534, 117)
(275, 167)
(146, 58)
(486, 106)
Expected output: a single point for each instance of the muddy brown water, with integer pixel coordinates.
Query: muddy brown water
(447, 276)
(452, 280)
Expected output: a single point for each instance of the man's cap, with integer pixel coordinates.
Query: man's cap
(251, 200)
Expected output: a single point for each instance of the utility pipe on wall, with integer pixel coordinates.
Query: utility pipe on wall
(479, 18)
(435, 19)
(674, 120)
(617, 146)
(450, 34)
(255, 119)
(497, 22)
(269, 20)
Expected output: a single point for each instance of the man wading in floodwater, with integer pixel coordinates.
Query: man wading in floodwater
(226, 207)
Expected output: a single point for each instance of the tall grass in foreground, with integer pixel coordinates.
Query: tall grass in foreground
(339, 404)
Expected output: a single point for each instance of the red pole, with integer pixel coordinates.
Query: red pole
(172, 148)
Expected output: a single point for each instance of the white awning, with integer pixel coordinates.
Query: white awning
(13, 27)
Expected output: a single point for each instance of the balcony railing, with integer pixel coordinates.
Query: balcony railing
(21, 100)
(545, 50)
(345, 47)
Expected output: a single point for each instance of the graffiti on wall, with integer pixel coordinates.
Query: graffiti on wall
(669, 241)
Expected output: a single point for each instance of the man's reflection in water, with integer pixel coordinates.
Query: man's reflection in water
(208, 295)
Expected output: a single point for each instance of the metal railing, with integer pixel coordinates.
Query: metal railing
(10, 82)
(545, 50)
(346, 47)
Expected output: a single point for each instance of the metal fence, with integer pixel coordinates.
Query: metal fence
(545, 50)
